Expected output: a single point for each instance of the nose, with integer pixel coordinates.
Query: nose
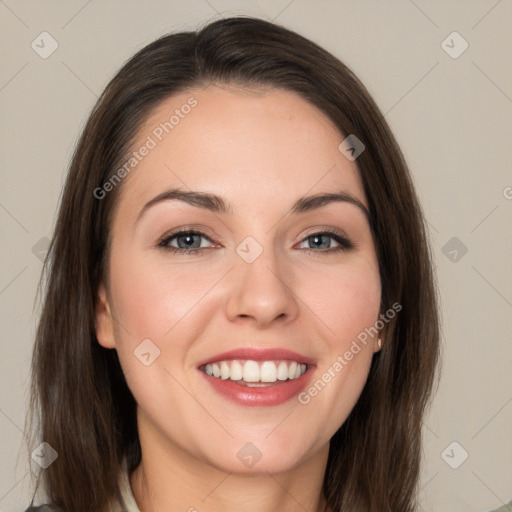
(262, 291)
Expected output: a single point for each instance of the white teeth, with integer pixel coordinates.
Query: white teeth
(282, 371)
(251, 371)
(236, 371)
(224, 370)
(268, 371)
(291, 370)
(256, 371)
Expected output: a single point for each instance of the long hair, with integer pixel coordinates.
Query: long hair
(80, 402)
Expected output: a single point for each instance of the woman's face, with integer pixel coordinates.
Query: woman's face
(275, 284)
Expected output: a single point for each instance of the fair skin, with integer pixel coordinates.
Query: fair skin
(261, 152)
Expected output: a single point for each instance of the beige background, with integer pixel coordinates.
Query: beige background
(452, 117)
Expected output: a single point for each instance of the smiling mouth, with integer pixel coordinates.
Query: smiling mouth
(250, 373)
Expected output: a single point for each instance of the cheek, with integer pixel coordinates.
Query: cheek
(165, 304)
(152, 303)
(346, 300)
(152, 297)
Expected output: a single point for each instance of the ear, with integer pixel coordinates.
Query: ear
(104, 320)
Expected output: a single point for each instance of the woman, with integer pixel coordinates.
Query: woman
(240, 309)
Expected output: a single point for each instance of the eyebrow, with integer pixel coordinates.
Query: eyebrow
(217, 204)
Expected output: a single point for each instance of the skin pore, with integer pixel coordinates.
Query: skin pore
(261, 152)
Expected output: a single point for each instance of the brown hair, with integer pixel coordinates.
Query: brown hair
(86, 411)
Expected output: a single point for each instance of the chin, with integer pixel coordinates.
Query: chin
(251, 458)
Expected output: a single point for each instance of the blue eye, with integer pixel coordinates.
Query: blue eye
(189, 242)
(323, 241)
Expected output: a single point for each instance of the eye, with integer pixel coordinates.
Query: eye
(189, 242)
(323, 241)
(186, 242)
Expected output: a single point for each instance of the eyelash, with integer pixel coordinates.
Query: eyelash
(345, 243)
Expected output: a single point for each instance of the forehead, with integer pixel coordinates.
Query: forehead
(242, 144)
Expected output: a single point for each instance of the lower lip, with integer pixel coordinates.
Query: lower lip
(275, 394)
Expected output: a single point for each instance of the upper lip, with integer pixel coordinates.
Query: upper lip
(259, 354)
